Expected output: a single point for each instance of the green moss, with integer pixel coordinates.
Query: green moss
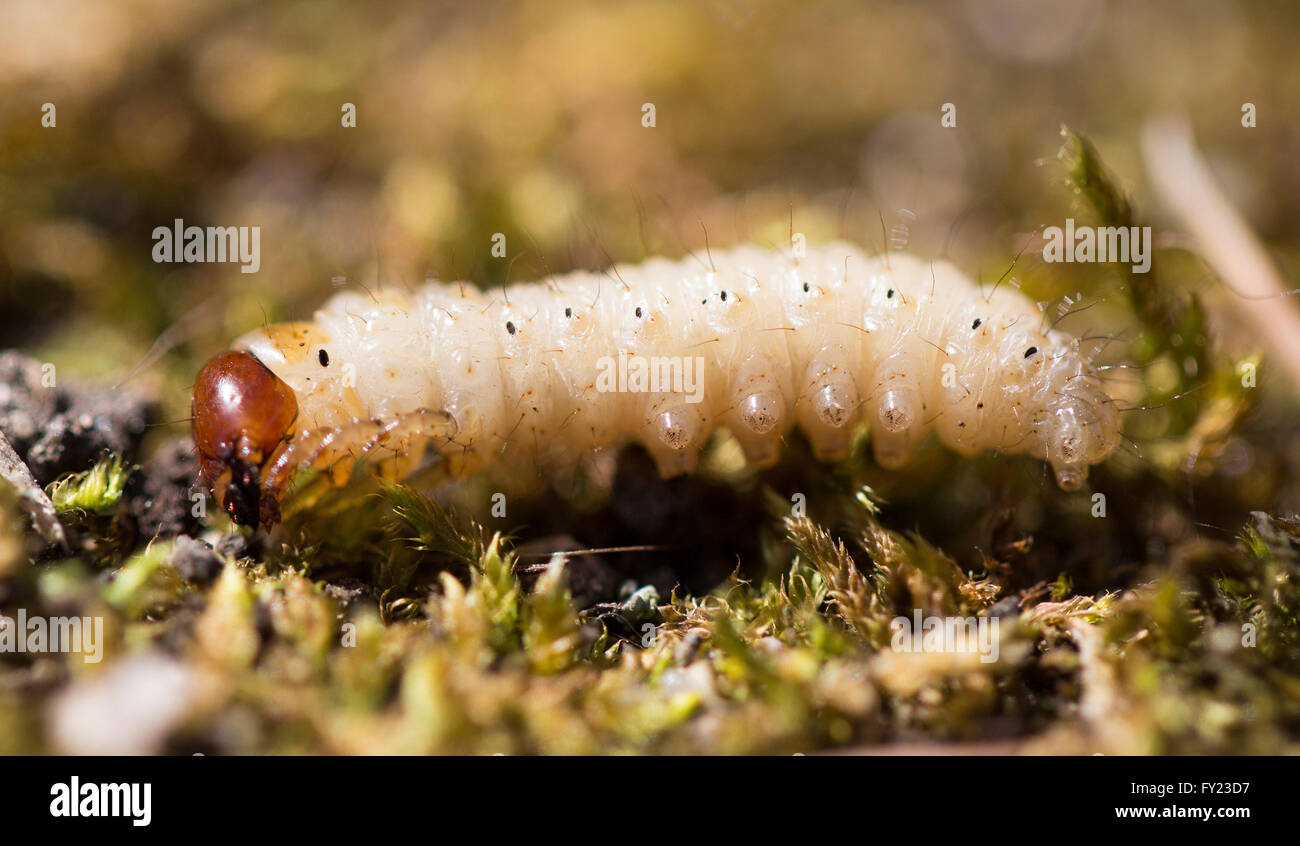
(95, 491)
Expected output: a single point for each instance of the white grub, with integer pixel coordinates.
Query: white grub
(824, 342)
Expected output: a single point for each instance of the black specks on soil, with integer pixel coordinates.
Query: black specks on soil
(59, 430)
(195, 561)
(158, 494)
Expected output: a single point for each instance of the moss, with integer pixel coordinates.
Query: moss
(797, 662)
(1184, 374)
(98, 490)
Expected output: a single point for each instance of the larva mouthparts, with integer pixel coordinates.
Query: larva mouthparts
(757, 341)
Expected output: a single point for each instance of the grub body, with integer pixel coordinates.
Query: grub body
(754, 340)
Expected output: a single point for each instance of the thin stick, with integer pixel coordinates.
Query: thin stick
(1182, 180)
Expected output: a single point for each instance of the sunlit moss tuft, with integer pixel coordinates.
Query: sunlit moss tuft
(98, 490)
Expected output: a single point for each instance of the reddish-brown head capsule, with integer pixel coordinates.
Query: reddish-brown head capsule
(242, 413)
